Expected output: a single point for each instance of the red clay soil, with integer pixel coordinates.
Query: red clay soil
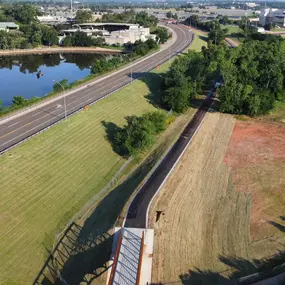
(256, 155)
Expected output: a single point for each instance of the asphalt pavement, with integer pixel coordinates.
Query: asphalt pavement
(137, 213)
(19, 128)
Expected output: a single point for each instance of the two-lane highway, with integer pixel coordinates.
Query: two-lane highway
(29, 123)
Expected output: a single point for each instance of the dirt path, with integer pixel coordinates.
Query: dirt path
(204, 217)
(59, 50)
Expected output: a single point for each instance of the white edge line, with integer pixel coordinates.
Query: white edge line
(79, 110)
(48, 100)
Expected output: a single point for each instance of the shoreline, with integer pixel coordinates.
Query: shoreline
(51, 50)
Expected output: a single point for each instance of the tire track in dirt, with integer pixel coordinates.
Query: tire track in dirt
(204, 217)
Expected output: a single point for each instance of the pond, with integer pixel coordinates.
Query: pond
(19, 75)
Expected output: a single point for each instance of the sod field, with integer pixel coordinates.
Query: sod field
(47, 179)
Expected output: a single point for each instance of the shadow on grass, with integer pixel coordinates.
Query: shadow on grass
(154, 82)
(203, 38)
(279, 226)
(111, 129)
(243, 271)
(84, 254)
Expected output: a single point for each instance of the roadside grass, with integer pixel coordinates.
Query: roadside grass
(49, 178)
(200, 40)
(278, 112)
(73, 85)
(232, 29)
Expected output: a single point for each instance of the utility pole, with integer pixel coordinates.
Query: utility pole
(64, 99)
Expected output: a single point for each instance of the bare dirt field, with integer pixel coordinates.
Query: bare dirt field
(207, 231)
(256, 155)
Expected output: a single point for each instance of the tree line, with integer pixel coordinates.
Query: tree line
(32, 34)
(141, 18)
(253, 79)
(253, 76)
(139, 48)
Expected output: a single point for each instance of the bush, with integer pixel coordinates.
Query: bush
(139, 133)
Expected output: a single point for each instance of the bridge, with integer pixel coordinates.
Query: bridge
(131, 257)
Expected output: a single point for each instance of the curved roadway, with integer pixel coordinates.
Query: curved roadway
(19, 128)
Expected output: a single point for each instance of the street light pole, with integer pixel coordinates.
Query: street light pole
(131, 70)
(64, 99)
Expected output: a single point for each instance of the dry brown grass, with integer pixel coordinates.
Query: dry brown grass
(204, 217)
(223, 205)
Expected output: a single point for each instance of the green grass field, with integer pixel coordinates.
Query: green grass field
(231, 29)
(199, 41)
(48, 178)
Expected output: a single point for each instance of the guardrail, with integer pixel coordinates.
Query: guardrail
(112, 274)
(140, 260)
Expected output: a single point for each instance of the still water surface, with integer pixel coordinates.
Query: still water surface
(18, 74)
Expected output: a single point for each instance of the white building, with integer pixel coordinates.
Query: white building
(8, 26)
(113, 33)
(272, 16)
(251, 4)
(51, 19)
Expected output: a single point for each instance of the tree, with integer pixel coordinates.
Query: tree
(83, 16)
(169, 15)
(58, 87)
(49, 36)
(177, 98)
(81, 39)
(22, 13)
(67, 42)
(217, 34)
(139, 133)
(151, 44)
(19, 101)
(161, 34)
(4, 40)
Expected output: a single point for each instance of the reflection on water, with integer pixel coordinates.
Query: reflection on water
(34, 75)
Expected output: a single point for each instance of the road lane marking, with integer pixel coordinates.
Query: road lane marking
(15, 130)
(147, 66)
(13, 124)
(28, 124)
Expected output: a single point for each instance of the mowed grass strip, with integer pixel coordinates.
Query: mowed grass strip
(200, 40)
(47, 179)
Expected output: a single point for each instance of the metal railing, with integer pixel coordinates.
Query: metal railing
(116, 258)
(140, 260)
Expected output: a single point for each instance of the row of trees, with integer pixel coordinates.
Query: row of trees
(253, 76)
(80, 39)
(131, 16)
(139, 48)
(161, 34)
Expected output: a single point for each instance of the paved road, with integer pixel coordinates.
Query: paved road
(26, 125)
(136, 217)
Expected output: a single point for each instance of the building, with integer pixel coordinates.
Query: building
(8, 26)
(113, 33)
(272, 16)
(251, 5)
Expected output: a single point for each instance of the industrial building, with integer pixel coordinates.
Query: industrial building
(113, 33)
(8, 26)
(272, 16)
